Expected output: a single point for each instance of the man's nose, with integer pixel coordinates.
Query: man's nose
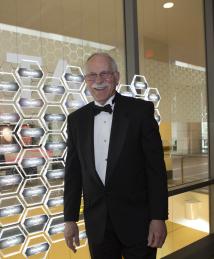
(99, 79)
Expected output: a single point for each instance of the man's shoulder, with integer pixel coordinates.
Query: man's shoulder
(136, 103)
(80, 112)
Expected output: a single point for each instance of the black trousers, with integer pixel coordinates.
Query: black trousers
(112, 248)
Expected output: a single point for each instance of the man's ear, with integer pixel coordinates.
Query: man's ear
(117, 76)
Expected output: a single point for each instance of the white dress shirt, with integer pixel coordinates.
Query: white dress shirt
(102, 130)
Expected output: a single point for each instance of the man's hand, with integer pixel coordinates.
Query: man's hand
(157, 233)
(71, 234)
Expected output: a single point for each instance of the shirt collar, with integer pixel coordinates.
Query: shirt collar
(109, 101)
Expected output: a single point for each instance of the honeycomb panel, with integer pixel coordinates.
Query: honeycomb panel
(126, 90)
(9, 87)
(31, 132)
(10, 149)
(33, 191)
(29, 73)
(53, 90)
(36, 246)
(55, 228)
(73, 101)
(54, 174)
(10, 180)
(11, 241)
(9, 116)
(55, 145)
(54, 118)
(30, 103)
(73, 78)
(34, 220)
(11, 209)
(139, 85)
(54, 201)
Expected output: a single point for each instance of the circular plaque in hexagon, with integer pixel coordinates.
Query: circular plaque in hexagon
(153, 96)
(55, 145)
(30, 103)
(29, 73)
(55, 228)
(11, 210)
(36, 247)
(86, 94)
(12, 240)
(54, 118)
(31, 132)
(9, 87)
(35, 220)
(73, 78)
(10, 149)
(10, 180)
(73, 101)
(53, 89)
(140, 85)
(54, 201)
(9, 116)
(32, 161)
(33, 191)
(126, 90)
(54, 173)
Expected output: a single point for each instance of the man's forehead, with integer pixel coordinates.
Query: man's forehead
(98, 63)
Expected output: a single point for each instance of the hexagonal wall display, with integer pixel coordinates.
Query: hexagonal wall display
(10, 149)
(126, 90)
(9, 117)
(30, 103)
(29, 73)
(10, 180)
(53, 90)
(55, 229)
(54, 145)
(54, 118)
(73, 101)
(139, 84)
(33, 191)
(12, 240)
(54, 201)
(9, 87)
(54, 173)
(34, 220)
(73, 78)
(11, 210)
(32, 161)
(36, 247)
(31, 132)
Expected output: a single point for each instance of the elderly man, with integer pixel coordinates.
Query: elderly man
(115, 158)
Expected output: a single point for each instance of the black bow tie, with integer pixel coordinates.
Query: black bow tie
(97, 109)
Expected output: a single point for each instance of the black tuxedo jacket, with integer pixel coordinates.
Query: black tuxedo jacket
(136, 188)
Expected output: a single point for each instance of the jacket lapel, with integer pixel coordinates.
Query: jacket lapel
(88, 138)
(118, 135)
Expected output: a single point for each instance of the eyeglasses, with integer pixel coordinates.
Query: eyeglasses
(104, 75)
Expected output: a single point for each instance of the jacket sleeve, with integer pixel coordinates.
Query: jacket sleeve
(155, 166)
(72, 179)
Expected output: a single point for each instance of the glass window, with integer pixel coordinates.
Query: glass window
(44, 45)
(172, 58)
(188, 220)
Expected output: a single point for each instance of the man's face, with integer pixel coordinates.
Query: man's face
(100, 79)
